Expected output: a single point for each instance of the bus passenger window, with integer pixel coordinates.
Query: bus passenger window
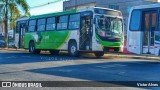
(154, 18)
(17, 27)
(50, 24)
(146, 23)
(32, 25)
(159, 23)
(135, 20)
(62, 23)
(74, 21)
(41, 25)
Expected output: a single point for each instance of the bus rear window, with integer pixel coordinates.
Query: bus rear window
(135, 20)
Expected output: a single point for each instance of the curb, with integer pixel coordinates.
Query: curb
(11, 49)
(133, 56)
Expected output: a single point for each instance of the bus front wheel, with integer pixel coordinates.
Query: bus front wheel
(73, 49)
(32, 48)
(99, 54)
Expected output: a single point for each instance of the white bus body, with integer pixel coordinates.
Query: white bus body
(19, 34)
(143, 33)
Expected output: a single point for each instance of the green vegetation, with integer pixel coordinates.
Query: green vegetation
(12, 12)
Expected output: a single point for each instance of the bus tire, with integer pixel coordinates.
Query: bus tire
(54, 52)
(72, 49)
(99, 54)
(32, 48)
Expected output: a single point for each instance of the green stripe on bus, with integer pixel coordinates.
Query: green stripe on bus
(65, 41)
(109, 44)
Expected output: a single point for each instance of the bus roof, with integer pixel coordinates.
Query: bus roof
(146, 6)
(107, 9)
(68, 12)
(62, 13)
(53, 14)
(22, 18)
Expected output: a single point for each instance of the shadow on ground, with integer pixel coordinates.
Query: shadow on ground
(110, 71)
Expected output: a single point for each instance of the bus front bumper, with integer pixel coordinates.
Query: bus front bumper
(113, 49)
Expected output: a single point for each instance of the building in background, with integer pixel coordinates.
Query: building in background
(123, 5)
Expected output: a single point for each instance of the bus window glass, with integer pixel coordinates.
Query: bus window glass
(108, 26)
(135, 20)
(50, 24)
(62, 23)
(154, 18)
(146, 17)
(17, 27)
(157, 35)
(159, 22)
(32, 24)
(74, 21)
(41, 25)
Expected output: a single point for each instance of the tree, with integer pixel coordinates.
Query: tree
(12, 12)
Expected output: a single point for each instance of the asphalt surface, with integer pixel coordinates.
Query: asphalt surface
(22, 66)
(108, 71)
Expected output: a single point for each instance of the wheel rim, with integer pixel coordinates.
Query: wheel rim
(73, 49)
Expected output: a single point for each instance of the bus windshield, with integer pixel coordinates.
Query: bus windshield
(109, 26)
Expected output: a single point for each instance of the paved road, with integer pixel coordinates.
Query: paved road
(16, 66)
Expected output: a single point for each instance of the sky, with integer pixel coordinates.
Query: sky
(54, 7)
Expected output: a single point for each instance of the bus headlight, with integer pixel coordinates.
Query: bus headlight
(121, 48)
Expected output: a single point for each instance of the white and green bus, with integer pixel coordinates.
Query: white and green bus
(91, 29)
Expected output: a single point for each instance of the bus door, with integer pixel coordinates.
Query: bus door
(85, 42)
(21, 34)
(149, 26)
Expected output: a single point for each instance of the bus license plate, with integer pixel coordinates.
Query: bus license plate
(111, 50)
